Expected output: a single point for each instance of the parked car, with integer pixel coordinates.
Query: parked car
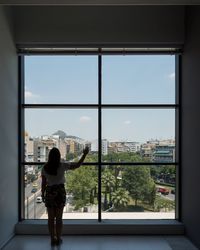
(39, 199)
(34, 190)
(163, 191)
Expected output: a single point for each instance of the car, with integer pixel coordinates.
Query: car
(163, 190)
(39, 199)
(173, 191)
(35, 185)
(34, 190)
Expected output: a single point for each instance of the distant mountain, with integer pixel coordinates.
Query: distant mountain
(63, 135)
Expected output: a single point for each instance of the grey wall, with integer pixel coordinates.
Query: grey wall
(87, 24)
(191, 126)
(8, 129)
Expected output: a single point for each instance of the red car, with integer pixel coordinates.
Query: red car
(164, 191)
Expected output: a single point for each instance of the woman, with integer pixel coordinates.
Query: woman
(53, 190)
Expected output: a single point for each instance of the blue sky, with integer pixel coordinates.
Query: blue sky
(126, 79)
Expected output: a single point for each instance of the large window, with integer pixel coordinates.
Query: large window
(125, 108)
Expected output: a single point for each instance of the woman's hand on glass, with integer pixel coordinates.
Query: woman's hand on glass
(86, 150)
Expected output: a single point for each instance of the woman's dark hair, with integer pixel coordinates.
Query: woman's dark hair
(53, 162)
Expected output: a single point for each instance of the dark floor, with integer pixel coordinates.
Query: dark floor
(102, 243)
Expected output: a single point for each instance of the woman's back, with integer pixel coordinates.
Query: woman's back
(57, 179)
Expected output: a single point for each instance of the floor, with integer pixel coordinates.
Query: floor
(28, 242)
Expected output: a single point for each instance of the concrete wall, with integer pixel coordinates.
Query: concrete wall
(8, 129)
(191, 126)
(101, 24)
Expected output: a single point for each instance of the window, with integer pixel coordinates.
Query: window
(125, 108)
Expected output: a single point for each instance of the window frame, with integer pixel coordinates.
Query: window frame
(99, 106)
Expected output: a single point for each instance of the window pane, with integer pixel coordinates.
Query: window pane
(138, 135)
(34, 207)
(81, 193)
(61, 79)
(144, 79)
(68, 130)
(138, 192)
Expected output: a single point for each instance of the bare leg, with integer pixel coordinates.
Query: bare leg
(59, 222)
(51, 218)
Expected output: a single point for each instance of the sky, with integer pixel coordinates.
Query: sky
(143, 79)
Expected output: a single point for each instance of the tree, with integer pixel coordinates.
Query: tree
(108, 181)
(161, 203)
(137, 180)
(120, 198)
(81, 183)
(150, 192)
(71, 156)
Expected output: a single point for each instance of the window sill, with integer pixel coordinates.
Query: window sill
(122, 227)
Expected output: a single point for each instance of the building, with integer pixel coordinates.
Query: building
(104, 146)
(164, 153)
(146, 151)
(73, 146)
(42, 146)
(28, 148)
(124, 147)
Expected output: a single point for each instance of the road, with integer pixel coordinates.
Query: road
(170, 197)
(29, 187)
(34, 210)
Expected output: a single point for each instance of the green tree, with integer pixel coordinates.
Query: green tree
(82, 183)
(161, 203)
(150, 192)
(120, 198)
(71, 156)
(108, 182)
(137, 180)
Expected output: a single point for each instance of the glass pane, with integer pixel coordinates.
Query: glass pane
(138, 192)
(34, 207)
(138, 135)
(61, 79)
(68, 130)
(143, 79)
(81, 193)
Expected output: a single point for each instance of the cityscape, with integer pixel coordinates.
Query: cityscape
(158, 199)
(37, 149)
(135, 191)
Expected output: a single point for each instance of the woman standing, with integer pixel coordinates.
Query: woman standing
(53, 190)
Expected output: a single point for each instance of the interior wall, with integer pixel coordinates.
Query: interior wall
(141, 25)
(8, 128)
(191, 126)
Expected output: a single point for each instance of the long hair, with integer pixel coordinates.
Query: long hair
(53, 162)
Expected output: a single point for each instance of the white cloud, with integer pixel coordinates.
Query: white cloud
(172, 76)
(127, 122)
(85, 119)
(30, 95)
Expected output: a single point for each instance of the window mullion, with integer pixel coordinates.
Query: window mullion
(99, 132)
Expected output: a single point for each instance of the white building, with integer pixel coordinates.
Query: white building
(28, 148)
(104, 146)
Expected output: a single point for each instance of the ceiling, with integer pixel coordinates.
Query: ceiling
(99, 2)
